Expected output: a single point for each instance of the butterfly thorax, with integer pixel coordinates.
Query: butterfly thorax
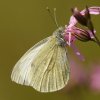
(59, 34)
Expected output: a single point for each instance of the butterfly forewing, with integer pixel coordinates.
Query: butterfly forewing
(23, 66)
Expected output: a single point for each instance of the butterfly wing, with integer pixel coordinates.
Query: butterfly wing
(23, 66)
(44, 67)
(56, 74)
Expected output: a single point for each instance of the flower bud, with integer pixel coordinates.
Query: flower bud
(79, 17)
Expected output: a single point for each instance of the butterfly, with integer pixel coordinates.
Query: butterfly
(45, 66)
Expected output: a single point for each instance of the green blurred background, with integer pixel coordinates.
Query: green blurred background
(25, 22)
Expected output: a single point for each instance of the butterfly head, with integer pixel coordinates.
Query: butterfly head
(59, 33)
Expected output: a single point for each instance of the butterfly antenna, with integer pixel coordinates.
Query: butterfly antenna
(53, 16)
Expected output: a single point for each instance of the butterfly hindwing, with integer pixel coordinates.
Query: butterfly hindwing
(53, 72)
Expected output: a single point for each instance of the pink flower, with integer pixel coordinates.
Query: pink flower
(95, 78)
(73, 33)
(77, 75)
(92, 10)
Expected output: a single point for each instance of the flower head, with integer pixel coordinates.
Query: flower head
(72, 32)
(86, 21)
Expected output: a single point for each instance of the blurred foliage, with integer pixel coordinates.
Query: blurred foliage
(25, 22)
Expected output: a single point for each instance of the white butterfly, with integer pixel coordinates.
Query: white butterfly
(45, 66)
